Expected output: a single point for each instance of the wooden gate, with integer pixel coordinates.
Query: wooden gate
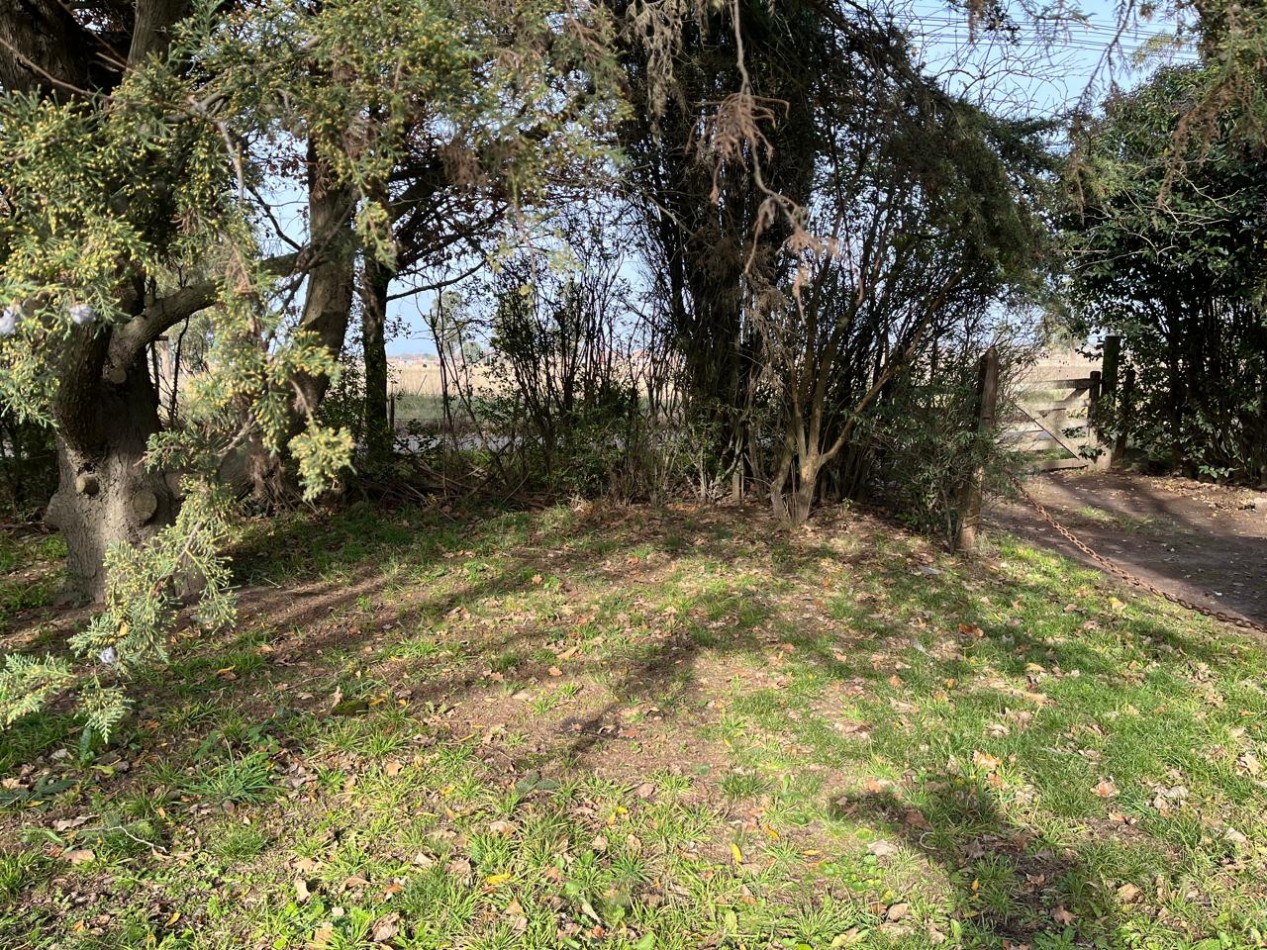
(1054, 422)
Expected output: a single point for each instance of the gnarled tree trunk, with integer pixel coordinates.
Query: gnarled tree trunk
(106, 495)
(107, 406)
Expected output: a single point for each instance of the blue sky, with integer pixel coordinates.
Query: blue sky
(1071, 60)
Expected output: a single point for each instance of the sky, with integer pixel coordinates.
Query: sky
(1071, 62)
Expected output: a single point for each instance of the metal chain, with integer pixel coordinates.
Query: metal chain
(1242, 622)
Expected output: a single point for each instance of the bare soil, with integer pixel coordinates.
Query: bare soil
(1206, 543)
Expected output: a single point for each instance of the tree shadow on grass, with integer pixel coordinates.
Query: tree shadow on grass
(1010, 885)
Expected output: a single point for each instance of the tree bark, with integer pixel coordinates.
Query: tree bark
(106, 495)
(378, 434)
(44, 49)
(331, 274)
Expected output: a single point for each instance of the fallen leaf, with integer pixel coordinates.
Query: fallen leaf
(79, 855)
(736, 853)
(882, 849)
(386, 928)
(1062, 916)
(987, 762)
(897, 911)
(555, 671)
(495, 879)
(1105, 789)
(393, 768)
(460, 868)
(915, 818)
(301, 891)
(1127, 893)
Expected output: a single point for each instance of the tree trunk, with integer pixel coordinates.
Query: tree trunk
(105, 494)
(378, 433)
(802, 501)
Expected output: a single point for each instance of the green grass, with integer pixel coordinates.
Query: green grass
(633, 728)
(29, 574)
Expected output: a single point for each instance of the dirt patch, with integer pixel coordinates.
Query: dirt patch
(1206, 543)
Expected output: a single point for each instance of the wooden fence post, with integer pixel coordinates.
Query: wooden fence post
(987, 407)
(1125, 411)
(1110, 402)
(1103, 457)
(1112, 360)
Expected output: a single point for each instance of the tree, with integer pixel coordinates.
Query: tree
(722, 144)
(132, 199)
(1166, 251)
(924, 214)
(470, 151)
(782, 224)
(119, 226)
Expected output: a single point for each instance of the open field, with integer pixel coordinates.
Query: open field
(641, 728)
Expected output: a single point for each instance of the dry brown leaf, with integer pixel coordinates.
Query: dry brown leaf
(321, 937)
(386, 928)
(882, 849)
(984, 761)
(1127, 893)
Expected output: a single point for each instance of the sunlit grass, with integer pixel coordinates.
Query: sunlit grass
(647, 729)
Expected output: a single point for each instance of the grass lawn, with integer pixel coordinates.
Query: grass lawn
(638, 728)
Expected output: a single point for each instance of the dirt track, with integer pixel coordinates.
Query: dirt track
(1207, 543)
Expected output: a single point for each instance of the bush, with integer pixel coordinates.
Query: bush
(921, 447)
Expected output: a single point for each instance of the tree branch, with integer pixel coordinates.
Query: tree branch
(155, 320)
